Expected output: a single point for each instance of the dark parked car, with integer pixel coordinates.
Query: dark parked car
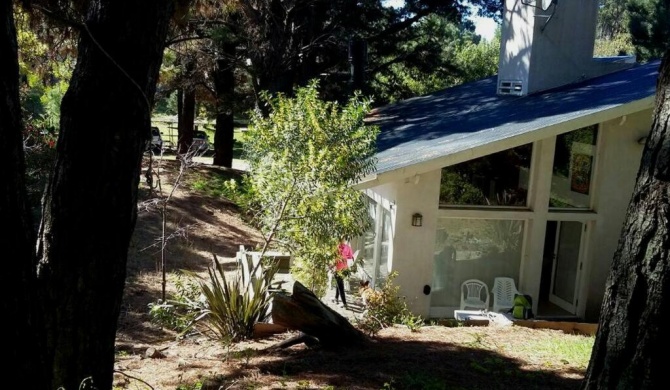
(156, 143)
(200, 142)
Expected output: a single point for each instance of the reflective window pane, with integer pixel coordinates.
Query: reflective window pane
(573, 168)
(499, 179)
(382, 268)
(474, 249)
(366, 243)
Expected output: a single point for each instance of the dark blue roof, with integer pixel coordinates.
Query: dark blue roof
(467, 116)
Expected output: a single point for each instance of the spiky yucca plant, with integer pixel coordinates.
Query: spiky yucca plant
(234, 305)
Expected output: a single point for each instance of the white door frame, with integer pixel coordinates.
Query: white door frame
(562, 303)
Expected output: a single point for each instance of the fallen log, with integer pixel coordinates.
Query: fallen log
(305, 312)
(299, 339)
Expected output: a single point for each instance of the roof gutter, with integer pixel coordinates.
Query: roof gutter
(408, 171)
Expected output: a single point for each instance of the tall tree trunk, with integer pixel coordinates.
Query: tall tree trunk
(357, 58)
(185, 119)
(632, 336)
(18, 238)
(90, 205)
(224, 83)
(186, 111)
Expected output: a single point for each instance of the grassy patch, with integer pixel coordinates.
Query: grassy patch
(211, 182)
(560, 350)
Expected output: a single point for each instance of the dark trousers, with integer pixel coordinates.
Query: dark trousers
(339, 289)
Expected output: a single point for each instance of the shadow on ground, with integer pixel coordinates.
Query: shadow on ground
(396, 364)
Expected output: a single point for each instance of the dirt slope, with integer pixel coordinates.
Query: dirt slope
(437, 357)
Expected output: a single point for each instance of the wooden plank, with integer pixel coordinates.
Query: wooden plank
(568, 327)
(266, 329)
(585, 329)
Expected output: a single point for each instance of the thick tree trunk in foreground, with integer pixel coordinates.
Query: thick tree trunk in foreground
(90, 206)
(632, 335)
(18, 238)
(305, 312)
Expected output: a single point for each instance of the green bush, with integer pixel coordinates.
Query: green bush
(387, 308)
(234, 305)
(180, 311)
(303, 157)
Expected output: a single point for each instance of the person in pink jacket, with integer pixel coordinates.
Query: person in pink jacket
(341, 267)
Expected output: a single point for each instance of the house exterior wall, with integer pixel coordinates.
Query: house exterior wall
(619, 161)
(618, 157)
(412, 247)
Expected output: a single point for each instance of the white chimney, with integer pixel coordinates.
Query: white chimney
(549, 43)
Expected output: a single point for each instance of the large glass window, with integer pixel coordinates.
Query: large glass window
(573, 168)
(367, 242)
(473, 249)
(387, 233)
(374, 245)
(499, 179)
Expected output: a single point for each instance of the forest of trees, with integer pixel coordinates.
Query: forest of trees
(66, 258)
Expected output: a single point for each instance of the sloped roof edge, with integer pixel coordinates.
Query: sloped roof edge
(468, 121)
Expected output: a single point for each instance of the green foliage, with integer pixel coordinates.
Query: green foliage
(179, 312)
(477, 60)
(455, 188)
(246, 355)
(619, 44)
(303, 158)
(459, 56)
(386, 308)
(574, 349)
(196, 386)
(212, 183)
(234, 305)
(612, 19)
(44, 82)
(166, 104)
(46, 72)
(650, 27)
(467, 183)
(633, 26)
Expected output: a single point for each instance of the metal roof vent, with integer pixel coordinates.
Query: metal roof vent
(510, 87)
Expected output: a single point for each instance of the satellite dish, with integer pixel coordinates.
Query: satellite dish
(545, 4)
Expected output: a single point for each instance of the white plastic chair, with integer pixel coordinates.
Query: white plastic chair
(503, 294)
(474, 294)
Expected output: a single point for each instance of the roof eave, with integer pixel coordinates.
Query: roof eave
(408, 171)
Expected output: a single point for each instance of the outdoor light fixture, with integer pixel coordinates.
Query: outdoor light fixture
(417, 219)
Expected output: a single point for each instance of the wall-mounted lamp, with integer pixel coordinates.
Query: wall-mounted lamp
(417, 219)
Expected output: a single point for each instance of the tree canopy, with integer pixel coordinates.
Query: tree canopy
(303, 158)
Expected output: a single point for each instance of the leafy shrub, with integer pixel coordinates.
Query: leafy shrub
(303, 155)
(179, 312)
(234, 305)
(387, 308)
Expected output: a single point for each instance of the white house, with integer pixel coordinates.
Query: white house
(526, 175)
